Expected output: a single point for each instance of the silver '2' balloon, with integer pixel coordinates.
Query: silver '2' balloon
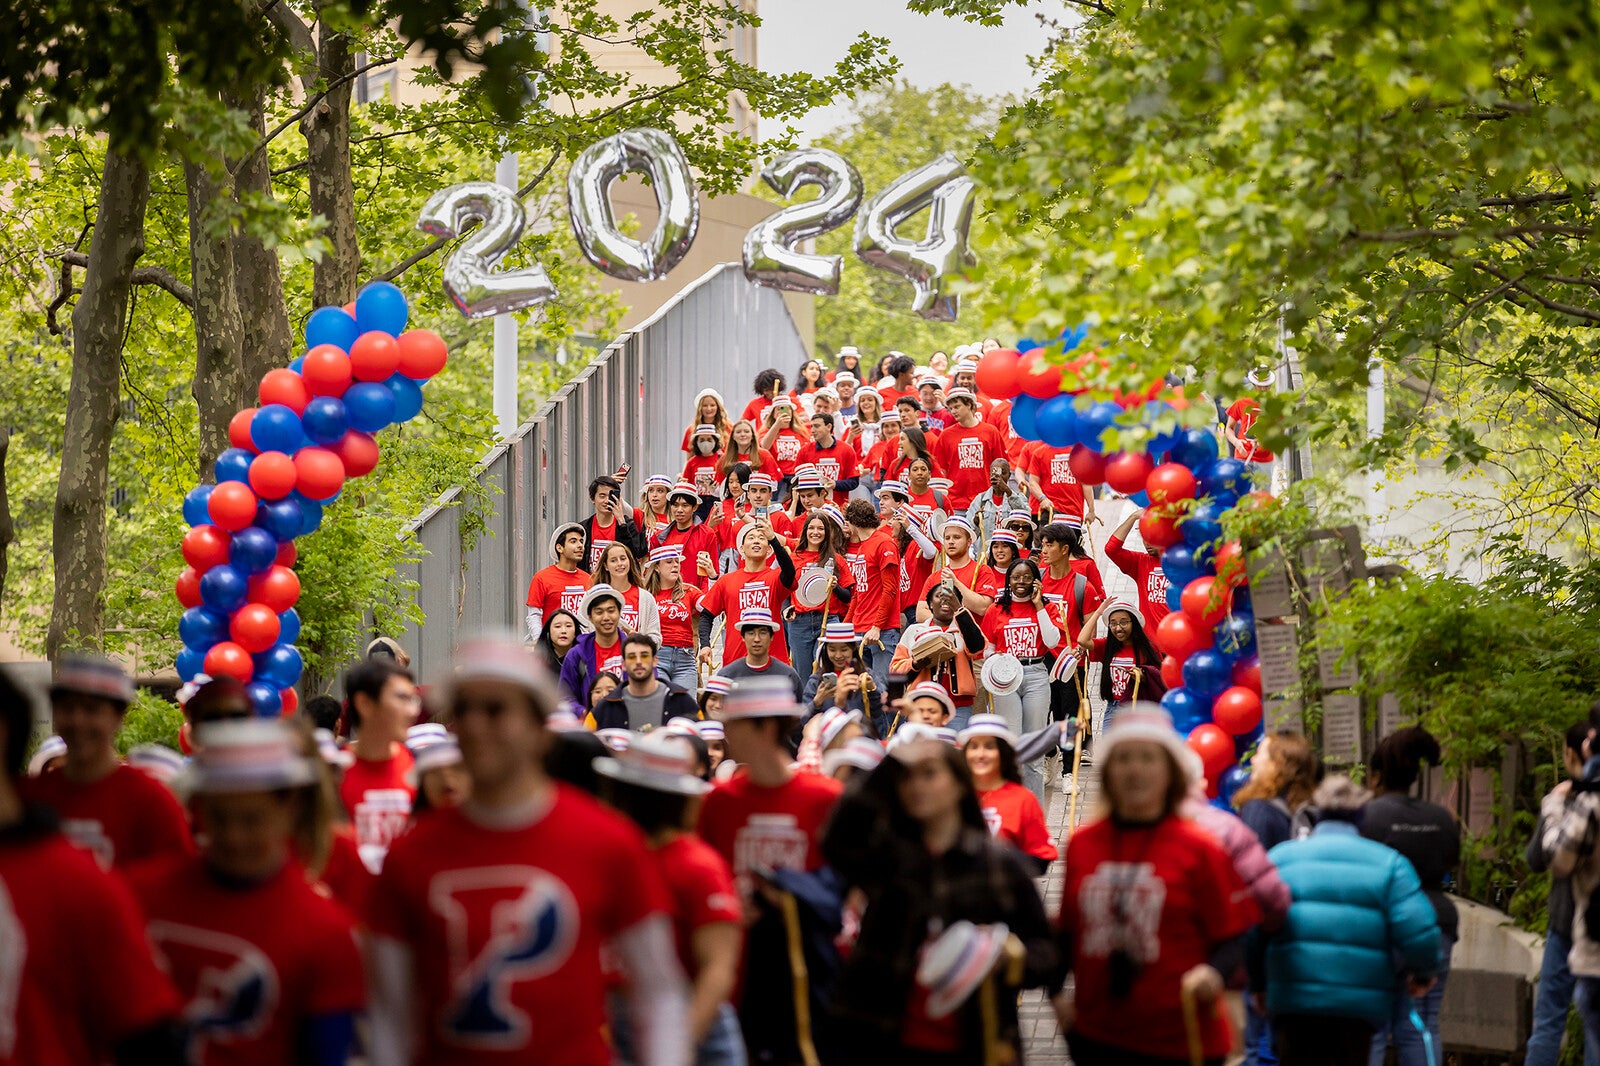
(943, 187)
(470, 277)
(655, 154)
(769, 255)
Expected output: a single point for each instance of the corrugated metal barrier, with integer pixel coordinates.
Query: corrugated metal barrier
(632, 403)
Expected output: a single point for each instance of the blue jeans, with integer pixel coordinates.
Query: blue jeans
(1550, 1007)
(677, 665)
(1408, 1046)
(878, 658)
(802, 632)
(723, 1044)
(1258, 1049)
(1587, 994)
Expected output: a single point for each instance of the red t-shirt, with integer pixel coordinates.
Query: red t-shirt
(701, 472)
(914, 572)
(253, 965)
(843, 577)
(1245, 411)
(378, 798)
(734, 593)
(1056, 478)
(630, 608)
(678, 617)
(1145, 569)
(786, 449)
(875, 569)
(834, 463)
(764, 461)
(751, 826)
(977, 576)
(76, 968)
(1181, 896)
(1062, 591)
(345, 876)
(1013, 814)
(554, 589)
(124, 818)
(1015, 629)
(965, 454)
(700, 885)
(1124, 667)
(603, 537)
(608, 657)
(698, 538)
(507, 926)
(756, 409)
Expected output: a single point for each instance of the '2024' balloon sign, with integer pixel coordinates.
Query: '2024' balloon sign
(479, 289)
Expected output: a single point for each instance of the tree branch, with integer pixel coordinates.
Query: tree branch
(1583, 313)
(310, 106)
(299, 34)
(159, 276)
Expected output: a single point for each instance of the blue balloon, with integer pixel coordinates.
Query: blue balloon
(310, 513)
(1224, 477)
(1187, 709)
(233, 465)
(380, 305)
(1194, 448)
(1174, 593)
(264, 699)
(331, 325)
(325, 420)
(1245, 741)
(407, 397)
(280, 664)
(289, 626)
(1241, 601)
(194, 506)
(296, 363)
(224, 588)
(276, 428)
(190, 662)
(253, 550)
(1179, 564)
(1206, 673)
(370, 406)
(1153, 412)
(1141, 498)
(282, 518)
(1057, 422)
(1095, 421)
(1073, 336)
(201, 628)
(1231, 781)
(1026, 344)
(1024, 416)
(1235, 637)
(1203, 524)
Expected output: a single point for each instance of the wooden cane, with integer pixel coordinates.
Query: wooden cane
(800, 981)
(1191, 1028)
(1077, 750)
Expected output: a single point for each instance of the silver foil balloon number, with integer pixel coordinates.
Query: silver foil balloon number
(470, 278)
(942, 187)
(656, 155)
(769, 255)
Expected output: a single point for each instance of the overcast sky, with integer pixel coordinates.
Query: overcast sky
(814, 34)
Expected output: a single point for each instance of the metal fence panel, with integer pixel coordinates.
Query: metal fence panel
(630, 404)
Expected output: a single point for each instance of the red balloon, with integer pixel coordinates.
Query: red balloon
(1258, 500)
(1229, 562)
(188, 587)
(1247, 674)
(326, 371)
(1214, 747)
(286, 387)
(287, 554)
(350, 309)
(232, 505)
(359, 453)
(229, 660)
(205, 547)
(1159, 529)
(272, 475)
(1037, 376)
(185, 745)
(1181, 636)
(1206, 600)
(1127, 472)
(279, 589)
(1172, 672)
(1088, 466)
(1171, 483)
(239, 430)
(423, 353)
(254, 627)
(374, 356)
(291, 701)
(319, 473)
(1237, 710)
(998, 373)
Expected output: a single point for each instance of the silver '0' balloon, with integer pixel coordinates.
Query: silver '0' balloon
(943, 187)
(656, 155)
(470, 277)
(769, 255)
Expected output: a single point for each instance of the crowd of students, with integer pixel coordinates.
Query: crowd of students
(761, 782)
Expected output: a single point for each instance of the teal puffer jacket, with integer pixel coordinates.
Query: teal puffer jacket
(1358, 912)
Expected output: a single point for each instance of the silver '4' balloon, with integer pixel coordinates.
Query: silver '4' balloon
(470, 277)
(655, 154)
(769, 255)
(943, 187)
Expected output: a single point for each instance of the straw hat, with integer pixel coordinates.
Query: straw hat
(955, 964)
(833, 722)
(52, 747)
(764, 697)
(87, 674)
(989, 725)
(686, 490)
(249, 755)
(863, 753)
(659, 761)
(756, 617)
(561, 531)
(1142, 721)
(1001, 674)
(932, 691)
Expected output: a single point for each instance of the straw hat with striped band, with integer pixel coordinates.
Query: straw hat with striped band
(92, 675)
(988, 725)
(761, 698)
(659, 761)
(894, 488)
(248, 755)
(667, 553)
(863, 753)
(561, 532)
(685, 490)
(839, 633)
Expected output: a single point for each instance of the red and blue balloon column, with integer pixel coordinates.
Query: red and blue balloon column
(1210, 667)
(314, 429)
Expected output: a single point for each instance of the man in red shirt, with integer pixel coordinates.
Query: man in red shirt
(613, 520)
(837, 464)
(1242, 415)
(489, 918)
(562, 584)
(1145, 569)
(767, 817)
(1052, 483)
(976, 583)
(118, 814)
(77, 982)
(756, 586)
(768, 387)
(700, 542)
(900, 368)
(384, 704)
(966, 449)
(874, 563)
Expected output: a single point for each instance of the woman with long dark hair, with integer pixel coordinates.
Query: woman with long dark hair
(1130, 664)
(1021, 623)
(913, 839)
(1012, 812)
(913, 446)
(618, 568)
(559, 634)
(808, 379)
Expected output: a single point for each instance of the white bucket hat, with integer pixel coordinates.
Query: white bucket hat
(602, 591)
(1001, 674)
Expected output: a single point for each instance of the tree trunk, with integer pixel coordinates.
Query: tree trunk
(98, 324)
(258, 283)
(332, 186)
(8, 532)
(219, 382)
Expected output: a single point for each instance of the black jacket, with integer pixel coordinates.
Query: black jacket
(627, 533)
(612, 712)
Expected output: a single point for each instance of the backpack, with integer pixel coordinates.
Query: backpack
(1301, 819)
